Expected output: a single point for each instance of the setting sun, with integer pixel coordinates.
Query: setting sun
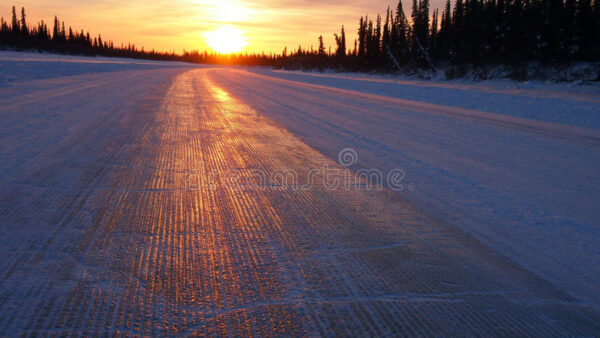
(226, 40)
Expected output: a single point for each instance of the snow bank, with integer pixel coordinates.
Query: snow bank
(18, 67)
(563, 103)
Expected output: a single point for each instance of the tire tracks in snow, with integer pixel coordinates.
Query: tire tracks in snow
(146, 243)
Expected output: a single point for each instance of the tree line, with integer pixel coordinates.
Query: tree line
(19, 34)
(477, 32)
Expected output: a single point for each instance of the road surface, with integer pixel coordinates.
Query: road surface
(157, 201)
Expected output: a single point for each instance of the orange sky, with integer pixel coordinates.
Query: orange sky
(268, 25)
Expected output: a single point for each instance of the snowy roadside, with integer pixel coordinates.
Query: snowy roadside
(564, 103)
(533, 75)
(24, 66)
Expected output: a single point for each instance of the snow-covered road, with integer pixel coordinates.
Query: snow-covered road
(529, 188)
(152, 199)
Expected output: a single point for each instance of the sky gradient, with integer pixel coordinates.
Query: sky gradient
(269, 25)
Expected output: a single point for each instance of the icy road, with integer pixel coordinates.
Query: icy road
(146, 198)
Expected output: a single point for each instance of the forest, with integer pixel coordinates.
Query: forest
(473, 32)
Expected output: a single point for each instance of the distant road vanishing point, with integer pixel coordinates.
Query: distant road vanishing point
(138, 199)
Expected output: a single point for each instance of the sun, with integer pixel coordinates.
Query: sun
(226, 40)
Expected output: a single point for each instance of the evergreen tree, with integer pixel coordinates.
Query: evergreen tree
(362, 35)
(15, 23)
(420, 31)
(340, 41)
(596, 31)
(456, 52)
(584, 27)
(24, 28)
(443, 40)
(3, 28)
(424, 21)
(63, 33)
(377, 39)
(385, 35)
(401, 45)
(321, 51)
(55, 30)
(369, 42)
(433, 36)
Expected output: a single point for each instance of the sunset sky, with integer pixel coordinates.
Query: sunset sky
(268, 25)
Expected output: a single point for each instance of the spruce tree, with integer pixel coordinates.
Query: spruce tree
(385, 35)
(55, 30)
(24, 28)
(433, 36)
(596, 31)
(377, 39)
(16, 29)
(402, 49)
(361, 37)
(321, 51)
(340, 41)
(584, 29)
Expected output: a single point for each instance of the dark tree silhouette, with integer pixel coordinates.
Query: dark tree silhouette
(321, 46)
(474, 32)
(340, 41)
(24, 28)
(16, 28)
